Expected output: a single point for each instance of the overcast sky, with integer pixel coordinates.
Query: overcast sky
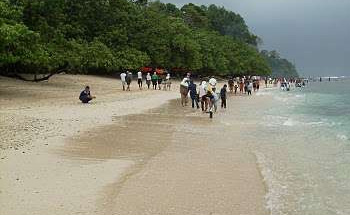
(314, 34)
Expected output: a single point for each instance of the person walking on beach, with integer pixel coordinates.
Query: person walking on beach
(246, 83)
(231, 84)
(249, 87)
(211, 94)
(139, 79)
(148, 79)
(223, 93)
(184, 91)
(193, 93)
(168, 81)
(85, 95)
(203, 96)
(241, 86)
(154, 79)
(128, 80)
(236, 87)
(122, 78)
(159, 82)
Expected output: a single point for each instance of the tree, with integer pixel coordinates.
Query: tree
(105, 36)
(280, 67)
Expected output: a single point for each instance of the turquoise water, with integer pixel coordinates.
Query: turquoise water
(303, 149)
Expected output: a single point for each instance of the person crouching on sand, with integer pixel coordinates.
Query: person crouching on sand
(85, 95)
(184, 91)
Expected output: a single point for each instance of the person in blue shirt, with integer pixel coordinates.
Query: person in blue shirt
(85, 95)
(192, 87)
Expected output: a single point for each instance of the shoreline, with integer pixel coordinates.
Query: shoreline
(61, 173)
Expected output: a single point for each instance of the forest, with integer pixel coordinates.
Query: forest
(109, 36)
(280, 67)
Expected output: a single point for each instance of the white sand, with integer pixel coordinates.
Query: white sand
(38, 120)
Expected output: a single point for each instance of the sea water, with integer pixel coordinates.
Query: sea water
(302, 145)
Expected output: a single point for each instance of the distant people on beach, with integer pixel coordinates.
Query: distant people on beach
(203, 96)
(249, 87)
(212, 96)
(159, 82)
(192, 87)
(154, 79)
(223, 93)
(148, 80)
(241, 86)
(122, 79)
(128, 80)
(184, 91)
(236, 88)
(231, 84)
(167, 82)
(85, 96)
(139, 79)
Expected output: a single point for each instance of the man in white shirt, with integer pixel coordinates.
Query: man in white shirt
(139, 79)
(122, 78)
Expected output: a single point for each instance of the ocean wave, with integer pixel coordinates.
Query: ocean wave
(271, 120)
(300, 96)
(342, 137)
(275, 188)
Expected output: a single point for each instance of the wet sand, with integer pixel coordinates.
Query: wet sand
(140, 160)
(184, 163)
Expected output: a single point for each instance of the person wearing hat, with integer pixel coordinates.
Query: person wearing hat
(203, 96)
(184, 91)
(211, 94)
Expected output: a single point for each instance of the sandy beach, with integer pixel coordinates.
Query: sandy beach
(135, 152)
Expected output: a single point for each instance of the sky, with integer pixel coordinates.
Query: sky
(312, 34)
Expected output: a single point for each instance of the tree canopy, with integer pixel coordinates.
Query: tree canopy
(280, 67)
(105, 36)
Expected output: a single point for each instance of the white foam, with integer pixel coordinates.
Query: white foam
(290, 122)
(342, 137)
(275, 189)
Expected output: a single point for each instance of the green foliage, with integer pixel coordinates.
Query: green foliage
(280, 67)
(230, 24)
(104, 36)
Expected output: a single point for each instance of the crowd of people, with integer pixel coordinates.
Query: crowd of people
(158, 81)
(208, 95)
(205, 96)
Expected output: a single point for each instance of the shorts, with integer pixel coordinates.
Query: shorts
(139, 81)
(123, 83)
(85, 100)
